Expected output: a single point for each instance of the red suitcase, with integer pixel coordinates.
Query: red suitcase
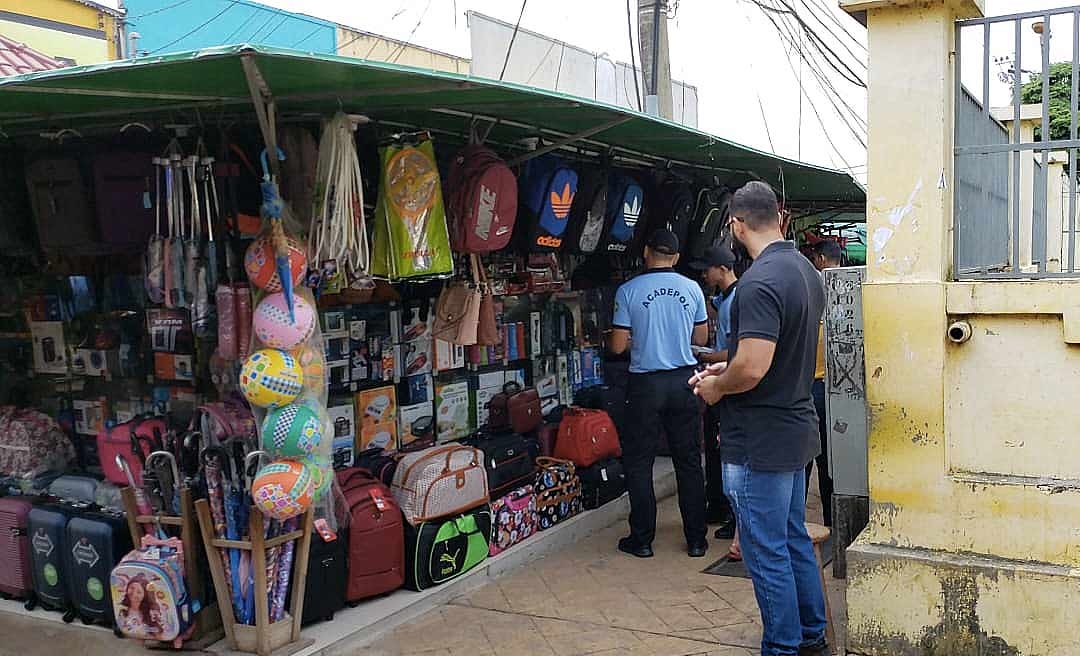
(15, 571)
(586, 437)
(376, 535)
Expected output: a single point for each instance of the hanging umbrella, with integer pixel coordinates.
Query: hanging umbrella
(213, 213)
(174, 178)
(273, 208)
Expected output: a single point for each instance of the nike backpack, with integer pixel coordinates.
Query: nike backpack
(548, 187)
(482, 201)
(626, 202)
(588, 216)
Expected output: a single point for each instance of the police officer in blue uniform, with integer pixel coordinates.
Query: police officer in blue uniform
(658, 315)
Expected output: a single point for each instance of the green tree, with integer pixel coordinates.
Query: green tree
(1060, 97)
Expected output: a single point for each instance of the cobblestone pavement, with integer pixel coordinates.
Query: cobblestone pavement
(591, 599)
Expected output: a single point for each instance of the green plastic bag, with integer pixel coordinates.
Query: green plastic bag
(411, 238)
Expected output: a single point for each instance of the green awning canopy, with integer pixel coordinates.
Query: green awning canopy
(212, 81)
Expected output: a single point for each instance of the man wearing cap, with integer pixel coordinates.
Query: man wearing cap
(658, 315)
(717, 266)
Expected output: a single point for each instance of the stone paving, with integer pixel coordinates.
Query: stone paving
(591, 599)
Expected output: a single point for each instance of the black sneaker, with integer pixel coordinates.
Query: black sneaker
(820, 648)
(628, 546)
(726, 530)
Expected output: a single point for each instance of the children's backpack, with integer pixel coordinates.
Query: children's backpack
(588, 216)
(710, 218)
(481, 201)
(626, 203)
(548, 188)
(150, 594)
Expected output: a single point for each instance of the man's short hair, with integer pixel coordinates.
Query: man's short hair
(756, 205)
(830, 249)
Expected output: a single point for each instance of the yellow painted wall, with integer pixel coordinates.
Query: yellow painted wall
(369, 46)
(57, 43)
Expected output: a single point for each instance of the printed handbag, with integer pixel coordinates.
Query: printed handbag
(150, 595)
(514, 519)
(440, 482)
(586, 436)
(439, 550)
(31, 443)
(558, 491)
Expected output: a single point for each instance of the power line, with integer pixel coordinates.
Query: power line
(309, 35)
(836, 21)
(284, 19)
(407, 42)
(836, 37)
(831, 58)
(160, 9)
(242, 25)
(633, 66)
(201, 26)
(513, 37)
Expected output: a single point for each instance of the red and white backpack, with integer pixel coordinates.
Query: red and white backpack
(482, 201)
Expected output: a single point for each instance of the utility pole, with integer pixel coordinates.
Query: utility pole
(655, 57)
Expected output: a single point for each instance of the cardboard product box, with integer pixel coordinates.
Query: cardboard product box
(416, 422)
(489, 380)
(96, 362)
(417, 357)
(413, 326)
(452, 411)
(336, 347)
(548, 386)
(90, 415)
(335, 323)
(448, 356)
(534, 334)
(418, 389)
(376, 406)
(50, 348)
(170, 331)
(339, 376)
(175, 367)
(382, 435)
(391, 356)
(515, 376)
(343, 427)
(543, 366)
(562, 365)
(478, 410)
(573, 362)
(592, 367)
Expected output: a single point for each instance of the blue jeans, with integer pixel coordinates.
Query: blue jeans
(770, 508)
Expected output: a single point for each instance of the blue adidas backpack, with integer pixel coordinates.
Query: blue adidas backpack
(548, 187)
(626, 204)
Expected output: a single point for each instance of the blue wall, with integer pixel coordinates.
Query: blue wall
(174, 25)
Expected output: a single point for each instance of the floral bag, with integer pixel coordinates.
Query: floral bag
(558, 491)
(513, 518)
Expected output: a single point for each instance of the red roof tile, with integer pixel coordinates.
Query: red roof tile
(16, 59)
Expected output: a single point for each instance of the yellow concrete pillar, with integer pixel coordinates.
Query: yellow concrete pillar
(971, 544)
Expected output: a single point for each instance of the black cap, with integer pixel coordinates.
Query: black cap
(714, 256)
(664, 241)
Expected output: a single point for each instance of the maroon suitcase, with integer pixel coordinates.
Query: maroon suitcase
(15, 571)
(376, 562)
(123, 183)
(546, 435)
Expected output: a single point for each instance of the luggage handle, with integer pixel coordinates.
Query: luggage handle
(512, 387)
(436, 451)
(544, 462)
(452, 451)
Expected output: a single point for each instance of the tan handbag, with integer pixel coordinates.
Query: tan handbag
(439, 482)
(487, 330)
(457, 313)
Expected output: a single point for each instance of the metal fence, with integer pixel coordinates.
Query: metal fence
(1015, 146)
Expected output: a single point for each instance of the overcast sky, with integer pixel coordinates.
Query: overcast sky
(747, 89)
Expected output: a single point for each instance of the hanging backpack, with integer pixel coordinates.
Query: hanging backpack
(548, 188)
(588, 216)
(626, 202)
(61, 203)
(675, 211)
(481, 201)
(150, 594)
(710, 218)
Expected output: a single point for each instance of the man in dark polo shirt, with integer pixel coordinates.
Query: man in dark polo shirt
(769, 424)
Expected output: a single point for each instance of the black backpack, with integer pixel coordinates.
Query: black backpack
(710, 219)
(589, 220)
(675, 211)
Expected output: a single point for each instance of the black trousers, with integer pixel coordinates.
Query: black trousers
(824, 477)
(663, 400)
(718, 503)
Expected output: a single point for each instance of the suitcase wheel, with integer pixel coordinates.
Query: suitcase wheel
(30, 604)
(118, 633)
(86, 620)
(69, 617)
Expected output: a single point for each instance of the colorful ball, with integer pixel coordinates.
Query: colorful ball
(313, 364)
(293, 431)
(283, 489)
(271, 378)
(321, 473)
(276, 329)
(261, 265)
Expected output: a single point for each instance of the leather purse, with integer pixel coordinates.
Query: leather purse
(487, 330)
(457, 313)
(516, 409)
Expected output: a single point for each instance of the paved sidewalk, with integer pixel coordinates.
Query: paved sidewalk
(591, 599)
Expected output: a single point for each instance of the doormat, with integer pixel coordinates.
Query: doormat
(737, 569)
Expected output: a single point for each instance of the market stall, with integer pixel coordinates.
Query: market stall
(344, 303)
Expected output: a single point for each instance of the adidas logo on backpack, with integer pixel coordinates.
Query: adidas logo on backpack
(632, 212)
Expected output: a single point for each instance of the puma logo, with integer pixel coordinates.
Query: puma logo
(560, 203)
(448, 562)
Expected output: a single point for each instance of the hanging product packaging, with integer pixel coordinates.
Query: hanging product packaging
(411, 237)
(155, 249)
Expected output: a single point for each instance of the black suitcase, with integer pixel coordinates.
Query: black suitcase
(48, 544)
(602, 483)
(327, 576)
(509, 459)
(96, 542)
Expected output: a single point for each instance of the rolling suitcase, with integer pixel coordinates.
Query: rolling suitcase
(327, 575)
(15, 578)
(376, 537)
(96, 542)
(602, 483)
(75, 489)
(48, 544)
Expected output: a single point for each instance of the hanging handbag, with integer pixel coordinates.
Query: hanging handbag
(457, 313)
(487, 328)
